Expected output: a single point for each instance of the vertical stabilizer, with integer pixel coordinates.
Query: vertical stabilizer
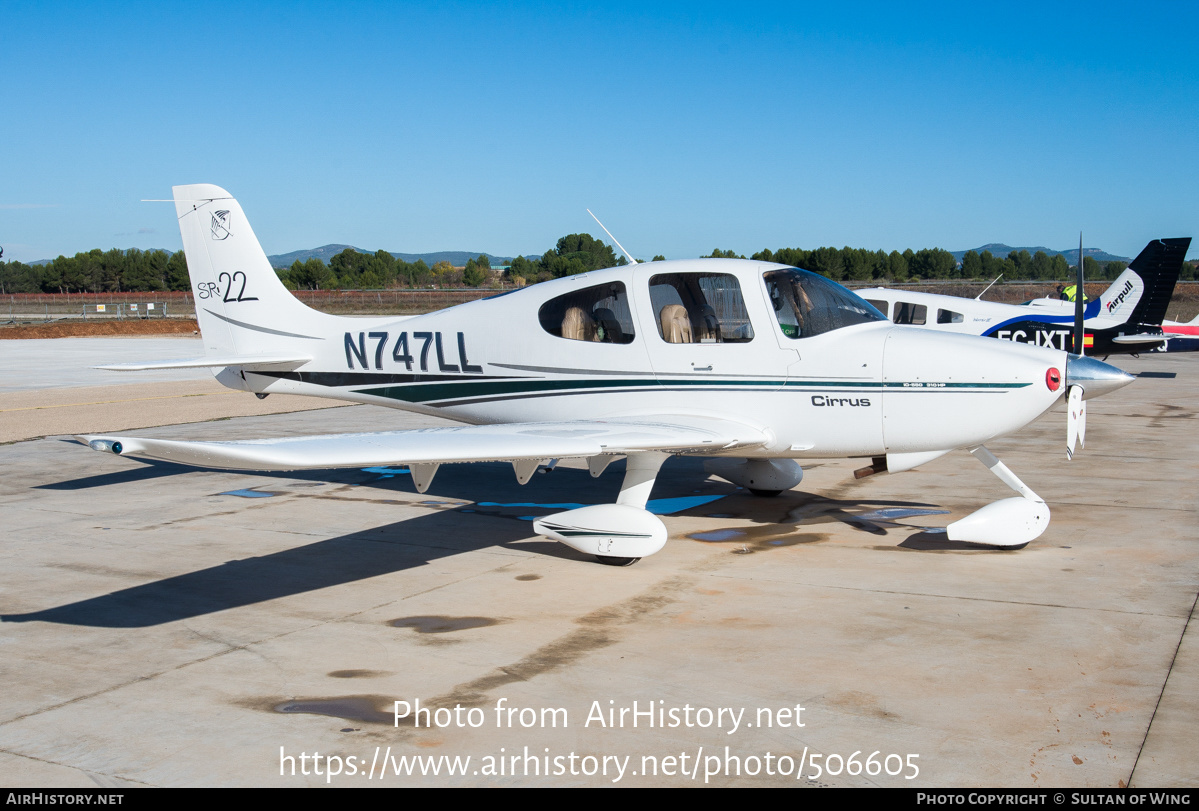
(1158, 267)
(241, 305)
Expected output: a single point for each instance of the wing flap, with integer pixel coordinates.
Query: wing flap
(468, 443)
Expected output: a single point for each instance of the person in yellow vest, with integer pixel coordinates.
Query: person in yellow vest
(1069, 293)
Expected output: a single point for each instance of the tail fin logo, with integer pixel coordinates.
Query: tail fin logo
(1114, 304)
(221, 222)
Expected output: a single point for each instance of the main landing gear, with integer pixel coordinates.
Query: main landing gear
(617, 534)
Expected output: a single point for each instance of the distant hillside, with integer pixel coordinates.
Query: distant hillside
(323, 253)
(1000, 250)
(327, 252)
(39, 262)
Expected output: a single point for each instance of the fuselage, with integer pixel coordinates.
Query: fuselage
(1184, 336)
(771, 346)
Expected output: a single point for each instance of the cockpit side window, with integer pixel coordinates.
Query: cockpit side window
(699, 308)
(879, 305)
(597, 314)
(806, 304)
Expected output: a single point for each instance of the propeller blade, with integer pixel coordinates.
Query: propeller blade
(1076, 417)
(1082, 423)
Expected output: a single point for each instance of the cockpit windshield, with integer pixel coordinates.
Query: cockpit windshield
(808, 304)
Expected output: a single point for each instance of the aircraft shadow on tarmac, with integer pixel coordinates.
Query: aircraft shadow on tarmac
(486, 490)
(145, 471)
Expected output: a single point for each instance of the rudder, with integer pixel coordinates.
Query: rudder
(1158, 266)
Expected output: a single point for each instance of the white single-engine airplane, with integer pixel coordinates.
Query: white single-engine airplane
(752, 364)
(1125, 319)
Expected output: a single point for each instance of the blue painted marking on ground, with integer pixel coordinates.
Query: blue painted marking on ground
(669, 506)
(385, 472)
(247, 493)
(657, 506)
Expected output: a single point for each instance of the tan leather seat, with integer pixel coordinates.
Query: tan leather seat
(577, 325)
(707, 330)
(676, 326)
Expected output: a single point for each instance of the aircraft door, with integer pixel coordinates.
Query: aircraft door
(704, 331)
(834, 379)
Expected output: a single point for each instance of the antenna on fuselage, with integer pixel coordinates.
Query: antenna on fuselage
(1080, 304)
(979, 297)
(609, 233)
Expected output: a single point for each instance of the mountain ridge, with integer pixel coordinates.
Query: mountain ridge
(327, 252)
(1000, 250)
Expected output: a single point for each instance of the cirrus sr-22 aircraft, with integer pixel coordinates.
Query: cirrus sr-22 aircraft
(755, 366)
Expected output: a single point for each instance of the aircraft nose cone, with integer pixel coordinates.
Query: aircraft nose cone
(1096, 377)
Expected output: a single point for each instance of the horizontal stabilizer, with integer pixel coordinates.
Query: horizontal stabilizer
(246, 361)
(1140, 338)
(468, 443)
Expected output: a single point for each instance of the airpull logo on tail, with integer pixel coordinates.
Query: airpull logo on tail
(1119, 297)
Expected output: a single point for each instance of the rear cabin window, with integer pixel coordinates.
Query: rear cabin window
(908, 313)
(699, 308)
(597, 314)
(948, 317)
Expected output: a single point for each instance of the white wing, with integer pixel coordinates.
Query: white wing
(468, 443)
(248, 361)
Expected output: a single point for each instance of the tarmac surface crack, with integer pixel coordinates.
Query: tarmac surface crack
(1186, 625)
(979, 599)
(88, 772)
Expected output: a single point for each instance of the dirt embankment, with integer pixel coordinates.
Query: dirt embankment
(73, 329)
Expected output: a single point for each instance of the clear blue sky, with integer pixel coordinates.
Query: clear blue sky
(441, 126)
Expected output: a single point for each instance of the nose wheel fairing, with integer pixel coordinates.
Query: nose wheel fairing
(1012, 522)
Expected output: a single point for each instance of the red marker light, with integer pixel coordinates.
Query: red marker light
(1053, 379)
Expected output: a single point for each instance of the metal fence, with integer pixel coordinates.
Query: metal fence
(391, 302)
(47, 311)
(57, 306)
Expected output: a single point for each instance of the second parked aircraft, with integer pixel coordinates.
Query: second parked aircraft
(1125, 319)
